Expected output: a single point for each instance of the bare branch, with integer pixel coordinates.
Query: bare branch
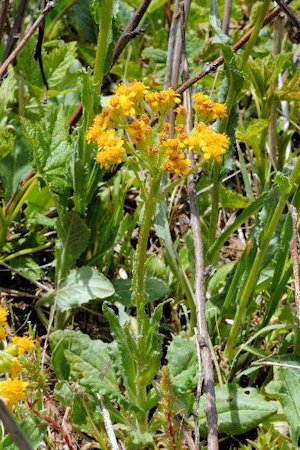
(50, 5)
(3, 12)
(289, 13)
(226, 18)
(16, 29)
(131, 30)
(212, 66)
(294, 254)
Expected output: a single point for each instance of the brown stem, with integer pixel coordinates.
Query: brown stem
(50, 5)
(289, 13)
(202, 336)
(3, 12)
(294, 254)
(212, 66)
(226, 16)
(16, 29)
(131, 30)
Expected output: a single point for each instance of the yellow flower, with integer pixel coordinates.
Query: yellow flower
(122, 104)
(176, 161)
(206, 141)
(135, 87)
(13, 390)
(101, 123)
(209, 111)
(3, 333)
(139, 129)
(161, 101)
(111, 148)
(24, 344)
(15, 368)
(3, 316)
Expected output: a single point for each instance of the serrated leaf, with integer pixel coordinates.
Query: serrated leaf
(7, 141)
(155, 54)
(50, 143)
(73, 237)
(215, 22)
(239, 409)
(82, 285)
(255, 127)
(182, 360)
(291, 88)
(231, 199)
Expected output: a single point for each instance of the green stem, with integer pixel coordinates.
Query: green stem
(254, 35)
(251, 281)
(139, 292)
(102, 42)
(27, 251)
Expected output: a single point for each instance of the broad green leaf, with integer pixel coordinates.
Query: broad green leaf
(155, 288)
(231, 199)
(255, 127)
(76, 355)
(33, 427)
(286, 388)
(216, 23)
(50, 143)
(139, 441)
(182, 360)
(73, 237)
(82, 285)
(291, 88)
(239, 409)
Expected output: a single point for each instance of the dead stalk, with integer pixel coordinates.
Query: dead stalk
(206, 368)
(50, 5)
(294, 254)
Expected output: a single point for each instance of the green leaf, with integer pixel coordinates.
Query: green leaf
(286, 388)
(85, 357)
(231, 199)
(73, 239)
(7, 141)
(139, 441)
(182, 359)
(155, 288)
(50, 143)
(82, 285)
(34, 429)
(239, 409)
(127, 349)
(216, 23)
(291, 88)
(155, 54)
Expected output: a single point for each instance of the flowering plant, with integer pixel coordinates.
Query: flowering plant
(123, 130)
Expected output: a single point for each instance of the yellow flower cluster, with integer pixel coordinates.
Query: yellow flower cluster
(207, 109)
(3, 322)
(24, 344)
(203, 140)
(123, 128)
(13, 390)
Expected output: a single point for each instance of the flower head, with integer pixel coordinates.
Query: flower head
(110, 148)
(161, 101)
(207, 109)
(24, 344)
(139, 129)
(207, 142)
(13, 390)
(15, 367)
(176, 161)
(101, 123)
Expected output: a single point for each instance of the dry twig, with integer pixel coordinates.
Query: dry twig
(212, 66)
(40, 20)
(294, 254)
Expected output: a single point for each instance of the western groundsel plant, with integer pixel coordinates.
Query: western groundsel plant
(134, 128)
